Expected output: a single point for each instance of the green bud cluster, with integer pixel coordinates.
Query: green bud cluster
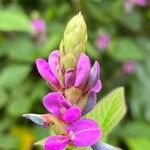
(73, 42)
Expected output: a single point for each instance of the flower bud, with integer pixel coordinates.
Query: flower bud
(73, 42)
(42, 120)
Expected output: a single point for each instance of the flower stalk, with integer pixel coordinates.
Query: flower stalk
(75, 83)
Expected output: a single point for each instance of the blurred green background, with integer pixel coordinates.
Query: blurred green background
(22, 89)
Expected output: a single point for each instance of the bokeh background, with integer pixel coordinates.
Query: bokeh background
(118, 37)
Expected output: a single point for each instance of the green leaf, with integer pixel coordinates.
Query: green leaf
(6, 122)
(3, 97)
(21, 49)
(132, 21)
(92, 52)
(7, 141)
(51, 44)
(135, 129)
(19, 106)
(125, 49)
(109, 111)
(14, 74)
(14, 20)
(138, 143)
(140, 103)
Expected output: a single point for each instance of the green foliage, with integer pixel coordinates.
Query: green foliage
(22, 49)
(125, 49)
(135, 129)
(138, 143)
(14, 74)
(3, 97)
(109, 111)
(14, 20)
(132, 22)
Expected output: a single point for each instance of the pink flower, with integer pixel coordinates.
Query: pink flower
(130, 4)
(56, 104)
(141, 2)
(75, 128)
(59, 107)
(81, 133)
(103, 41)
(129, 67)
(38, 25)
(78, 84)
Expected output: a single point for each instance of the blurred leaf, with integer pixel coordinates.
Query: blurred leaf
(41, 133)
(19, 106)
(145, 45)
(125, 49)
(7, 142)
(51, 44)
(135, 129)
(92, 52)
(5, 123)
(140, 104)
(21, 49)
(133, 21)
(138, 143)
(13, 74)
(3, 97)
(109, 111)
(99, 12)
(14, 20)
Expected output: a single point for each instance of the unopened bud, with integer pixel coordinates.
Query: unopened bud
(42, 120)
(73, 42)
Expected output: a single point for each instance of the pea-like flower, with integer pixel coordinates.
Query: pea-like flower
(79, 84)
(38, 25)
(81, 133)
(57, 105)
(130, 4)
(61, 111)
(103, 41)
(67, 123)
(129, 67)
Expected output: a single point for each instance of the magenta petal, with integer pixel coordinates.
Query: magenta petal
(85, 132)
(94, 76)
(82, 70)
(44, 71)
(58, 142)
(55, 102)
(52, 61)
(69, 78)
(72, 114)
(97, 87)
(91, 102)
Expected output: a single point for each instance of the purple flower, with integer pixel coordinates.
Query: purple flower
(82, 133)
(129, 67)
(38, 25)
(103, 41)
(56, 104)
(67, 120)
(130, 4)
(79, 85)
(141, 2)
